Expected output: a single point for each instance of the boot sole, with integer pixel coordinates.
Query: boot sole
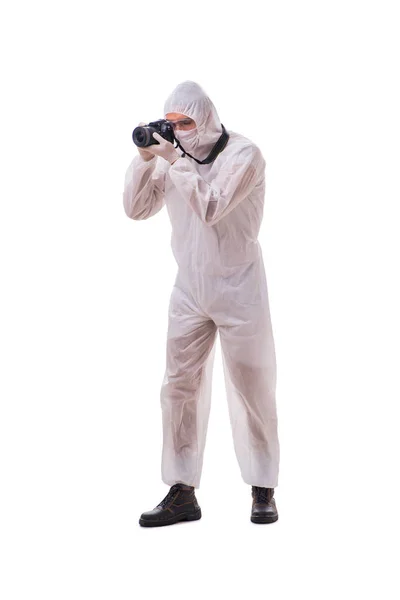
(270, 519)
(183, 517)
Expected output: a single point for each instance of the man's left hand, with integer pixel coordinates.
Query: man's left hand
(164, 149)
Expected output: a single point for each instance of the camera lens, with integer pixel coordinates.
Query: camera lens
(141, 136)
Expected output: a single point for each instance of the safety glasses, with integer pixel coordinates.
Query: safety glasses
(182, 123)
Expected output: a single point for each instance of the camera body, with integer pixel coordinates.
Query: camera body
(143, 134)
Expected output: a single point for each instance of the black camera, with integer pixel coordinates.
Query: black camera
(143, 134)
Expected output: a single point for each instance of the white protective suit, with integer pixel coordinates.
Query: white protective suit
(215, 212)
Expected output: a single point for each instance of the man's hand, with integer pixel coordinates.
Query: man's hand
(144, 153)
(164, 149)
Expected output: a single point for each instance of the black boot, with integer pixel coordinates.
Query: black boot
(180, 504)
(264, 507)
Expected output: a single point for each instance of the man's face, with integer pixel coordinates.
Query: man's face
(180, 121)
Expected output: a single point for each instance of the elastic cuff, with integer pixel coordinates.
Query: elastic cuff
(147, 161)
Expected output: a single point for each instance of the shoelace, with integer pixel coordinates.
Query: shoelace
(262, 494)
(170, 495)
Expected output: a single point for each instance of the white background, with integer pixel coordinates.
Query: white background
(85, 291)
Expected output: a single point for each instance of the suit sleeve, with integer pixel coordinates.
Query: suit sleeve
(144, 190)
(234, 182)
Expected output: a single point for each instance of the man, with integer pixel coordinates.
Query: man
(215, 210)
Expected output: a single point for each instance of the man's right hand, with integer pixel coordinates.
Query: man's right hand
(145, 154)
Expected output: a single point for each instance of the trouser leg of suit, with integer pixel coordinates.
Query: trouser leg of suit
(186, 389)
(249, 362)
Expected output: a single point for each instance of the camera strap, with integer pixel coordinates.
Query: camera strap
(217, 148)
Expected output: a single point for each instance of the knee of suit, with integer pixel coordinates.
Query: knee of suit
(180, 389)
